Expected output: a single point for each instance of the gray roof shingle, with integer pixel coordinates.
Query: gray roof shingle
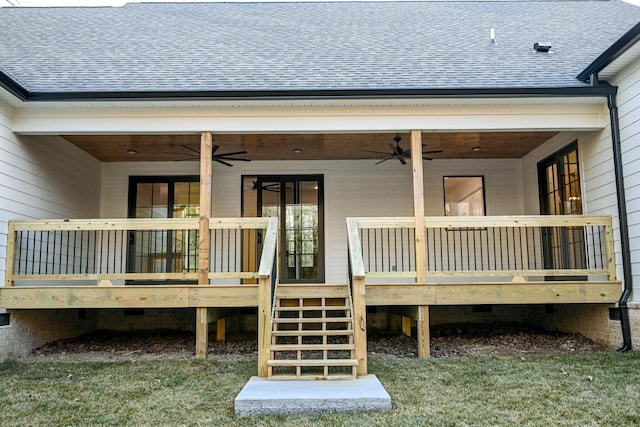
(307, 46)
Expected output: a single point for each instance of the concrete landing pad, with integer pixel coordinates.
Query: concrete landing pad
(261, 396)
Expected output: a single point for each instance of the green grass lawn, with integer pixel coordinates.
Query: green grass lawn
(573, 390)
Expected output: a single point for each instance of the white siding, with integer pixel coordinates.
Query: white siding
(596, 174)
(43, 177)
(352, 188)
(628, 81)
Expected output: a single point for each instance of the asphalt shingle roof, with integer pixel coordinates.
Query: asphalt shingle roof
(307, 46)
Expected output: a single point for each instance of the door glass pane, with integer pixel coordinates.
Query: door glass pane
(564, 247)
(186, 204)
(160, 251)
(552, 191)
(301, 230)
(296, 201)
(270, 195)
(151, 200)
(150, 245)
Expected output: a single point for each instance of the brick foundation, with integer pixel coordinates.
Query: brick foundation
(30, 329)
(589, 320)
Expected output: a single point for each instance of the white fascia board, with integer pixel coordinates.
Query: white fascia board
(7, 99)
(558, 114)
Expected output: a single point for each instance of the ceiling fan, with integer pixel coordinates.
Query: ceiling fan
(223, 158)
(399, 153)
(273, 187)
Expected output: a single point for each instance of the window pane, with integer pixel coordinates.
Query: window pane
(463, 196)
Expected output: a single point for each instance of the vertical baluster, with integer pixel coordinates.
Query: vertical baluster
(228, 249)
(108, 251)
(33, 252)
(55, 264)
(18, 252)
(388, 246)
(236, 251)
(427, 242)
(455, 232)
(375, 249)
(501, 248)
(411, 252)
(441, 248)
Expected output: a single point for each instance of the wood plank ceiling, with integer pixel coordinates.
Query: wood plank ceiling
(460, 145)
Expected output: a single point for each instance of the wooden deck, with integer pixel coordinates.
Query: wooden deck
(71, 264)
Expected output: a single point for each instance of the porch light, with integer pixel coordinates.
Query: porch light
(132, 152)
(476, 149)
(297, 150)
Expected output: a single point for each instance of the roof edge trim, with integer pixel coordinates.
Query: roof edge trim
(13, 87)
(612, 53)
(601, 90)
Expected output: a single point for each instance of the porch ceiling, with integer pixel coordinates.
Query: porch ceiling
(115, 148)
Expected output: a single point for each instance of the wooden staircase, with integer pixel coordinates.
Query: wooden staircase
(312, 333)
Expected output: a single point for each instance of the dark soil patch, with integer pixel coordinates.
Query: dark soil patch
(455, 340)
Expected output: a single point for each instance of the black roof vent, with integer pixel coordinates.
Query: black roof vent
(542, 47)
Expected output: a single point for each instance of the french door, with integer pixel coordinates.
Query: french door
(560, 194)
(163, 251)
(297, 201)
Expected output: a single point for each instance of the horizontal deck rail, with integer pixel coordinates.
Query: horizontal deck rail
(482, 247)
(104, 250)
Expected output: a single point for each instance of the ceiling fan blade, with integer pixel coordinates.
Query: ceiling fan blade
(231, 154)
(223, 162)
(214, 149)
(402, 160)
(190, 149)
(427, 158)
(384, 160)
(186, 159)
(232, 158)
(384, 153)
(432, 152)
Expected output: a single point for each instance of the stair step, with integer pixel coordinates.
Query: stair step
(314, 308)
(313, 362)
(311, 291)
(311, 333)
(312, 319)
(311, 377)
(311, 347)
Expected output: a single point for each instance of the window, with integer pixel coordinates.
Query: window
(5, 319)
(464, 196)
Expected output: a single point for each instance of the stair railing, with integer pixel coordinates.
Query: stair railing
(267, 279)
(357, 289)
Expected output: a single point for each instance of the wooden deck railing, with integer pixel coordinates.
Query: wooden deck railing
(102, 251)
(476, 247)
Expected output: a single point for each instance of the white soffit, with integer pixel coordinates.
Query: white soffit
(620, 62)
